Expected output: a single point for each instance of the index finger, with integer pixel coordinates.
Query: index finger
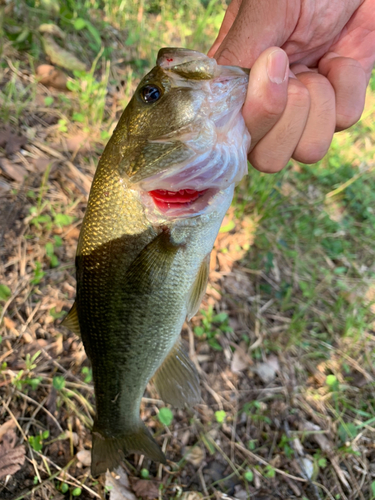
(230, 16)
(257, 26)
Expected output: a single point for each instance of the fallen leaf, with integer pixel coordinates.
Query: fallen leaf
(11, 325)
(238, 362)
(191, 495)
(50, 76)
(267, 371)
(146, 488)
(240, 493)
(6, 427)
(5, 187)
(195, 455)
(11, 458)
(117, 483)
(241, 360)
(12, 170)
(52, 29)
(11, 141)
(61, 57)
(327, 447)
(41, 164)
(80, 141)
(308, 466)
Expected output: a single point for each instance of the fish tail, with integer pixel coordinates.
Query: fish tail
(107, 453)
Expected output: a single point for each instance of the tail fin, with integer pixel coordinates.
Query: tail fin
(107, 453)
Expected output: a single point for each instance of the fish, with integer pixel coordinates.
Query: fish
(161, 189)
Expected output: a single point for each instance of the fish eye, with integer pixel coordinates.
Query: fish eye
(150, 93)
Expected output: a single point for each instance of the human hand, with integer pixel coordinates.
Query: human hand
(330, 46)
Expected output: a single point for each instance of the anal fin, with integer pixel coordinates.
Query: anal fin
(71, 320)
(198, 289)
(177, 380)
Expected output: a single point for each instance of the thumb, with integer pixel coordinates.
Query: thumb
(257, 26)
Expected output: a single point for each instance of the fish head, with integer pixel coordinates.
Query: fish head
(182, 138)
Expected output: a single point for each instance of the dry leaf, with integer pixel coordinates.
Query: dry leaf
(11, 458)
(60, 56)
(11, 325)
(12, 170)
(308, 467)
(52, 29)
(80, 141)
(51, 77)
(240, 493)
(118, 486)
(146, 488)
(241, 360)
(6, 427)
(267, 371)
(191, 495)
(195, 455)
(11, 141)
(327, 447)
(5, 187)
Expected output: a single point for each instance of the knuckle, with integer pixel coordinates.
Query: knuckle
(274, 109)
(265, 163)
(315, 82)
(347, 118)
(310, 152)
(298, 94)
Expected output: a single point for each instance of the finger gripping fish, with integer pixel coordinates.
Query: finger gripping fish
(160, 192)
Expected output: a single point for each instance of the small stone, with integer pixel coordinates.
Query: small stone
(84, 456)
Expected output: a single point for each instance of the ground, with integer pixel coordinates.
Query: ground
(284, 342)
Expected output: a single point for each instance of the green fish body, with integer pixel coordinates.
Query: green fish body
(160, 192)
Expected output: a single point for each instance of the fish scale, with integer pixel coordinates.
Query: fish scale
(142, 267)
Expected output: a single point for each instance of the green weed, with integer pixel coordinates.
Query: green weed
(213, 325)
(36, 442)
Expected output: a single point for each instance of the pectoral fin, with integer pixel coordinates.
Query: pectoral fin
(199, 288)
(150, 268)
(177, 380)
(71, 320)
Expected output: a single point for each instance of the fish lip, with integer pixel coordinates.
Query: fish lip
(179, 210)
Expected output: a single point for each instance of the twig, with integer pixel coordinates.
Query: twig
(75, 481)
(349, 182)
(46, 481)
(41, 407)
(264, 462)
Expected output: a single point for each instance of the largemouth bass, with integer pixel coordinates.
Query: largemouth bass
(160, 192)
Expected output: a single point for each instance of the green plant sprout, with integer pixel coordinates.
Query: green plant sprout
(213, 325)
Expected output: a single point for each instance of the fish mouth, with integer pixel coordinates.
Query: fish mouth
(181, 203)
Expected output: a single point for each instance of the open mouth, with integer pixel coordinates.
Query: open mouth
(163, 204)
(167, 200)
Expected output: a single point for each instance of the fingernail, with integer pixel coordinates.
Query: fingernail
(277, 66)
